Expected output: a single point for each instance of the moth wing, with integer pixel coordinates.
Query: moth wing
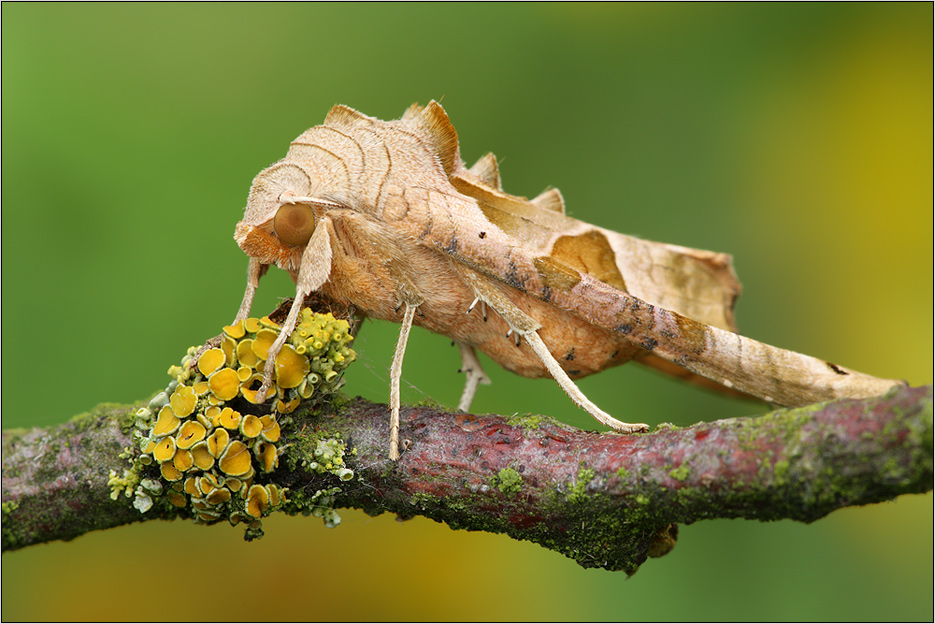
(695, 283)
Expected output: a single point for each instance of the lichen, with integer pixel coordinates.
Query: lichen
(207, 449)
(509, 481)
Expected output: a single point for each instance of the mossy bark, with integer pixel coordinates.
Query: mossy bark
(605, 500)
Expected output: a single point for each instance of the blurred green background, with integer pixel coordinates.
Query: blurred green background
(797, 137)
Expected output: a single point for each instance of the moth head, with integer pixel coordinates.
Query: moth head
(280, 216)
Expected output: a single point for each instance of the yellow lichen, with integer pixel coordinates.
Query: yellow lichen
(229, 347)
(229, 419)
(202, 457)
(224, 384)
(217, 442)
(183, 401)
(190, 434)
(177, 499)
(251, 426)
(245, 354)
(257, 501)
(291, 368)
(211, 360)
(269, 458)
(191, 486)
(218, 496)
(212, 413)
(183, 460)
(165, 449)
(263, 341)
(287, 408)
(206, 449)
(166, 423)
(208, 483)
(271, 429)
(236, 459)
(170, 472)
(235, 331)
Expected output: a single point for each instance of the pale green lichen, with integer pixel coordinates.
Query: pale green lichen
(509, 481)
(201, 455)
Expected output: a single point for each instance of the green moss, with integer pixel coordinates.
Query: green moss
(623, 473)
(527, 421)
(430, 403)
(780, 469)
(681, 473)
(510, 481)
(578, 490)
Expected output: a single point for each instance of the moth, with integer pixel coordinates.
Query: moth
(385, 216)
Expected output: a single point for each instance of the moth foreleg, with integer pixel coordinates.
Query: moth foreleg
(313, 272)
(470, 365)
(255, 270)
(396, 371)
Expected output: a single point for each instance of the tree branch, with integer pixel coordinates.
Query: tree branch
(603, 499)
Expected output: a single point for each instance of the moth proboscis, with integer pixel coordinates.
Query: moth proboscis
(387, 218)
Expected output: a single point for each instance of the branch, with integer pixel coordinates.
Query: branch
(603, 499)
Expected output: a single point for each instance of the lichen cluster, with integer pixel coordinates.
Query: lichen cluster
(212, 458)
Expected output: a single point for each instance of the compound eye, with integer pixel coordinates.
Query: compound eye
(294, 224)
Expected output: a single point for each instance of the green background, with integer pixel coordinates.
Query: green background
(797, 137)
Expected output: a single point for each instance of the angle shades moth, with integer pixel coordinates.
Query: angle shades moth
(385, 216)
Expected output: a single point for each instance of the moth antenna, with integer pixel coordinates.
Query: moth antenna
(291, 198)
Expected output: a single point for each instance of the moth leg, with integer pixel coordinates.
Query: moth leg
(559, 375)
(396, 371)
(313, 272)
(255, 270)
(523, 325)
(470, 365)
